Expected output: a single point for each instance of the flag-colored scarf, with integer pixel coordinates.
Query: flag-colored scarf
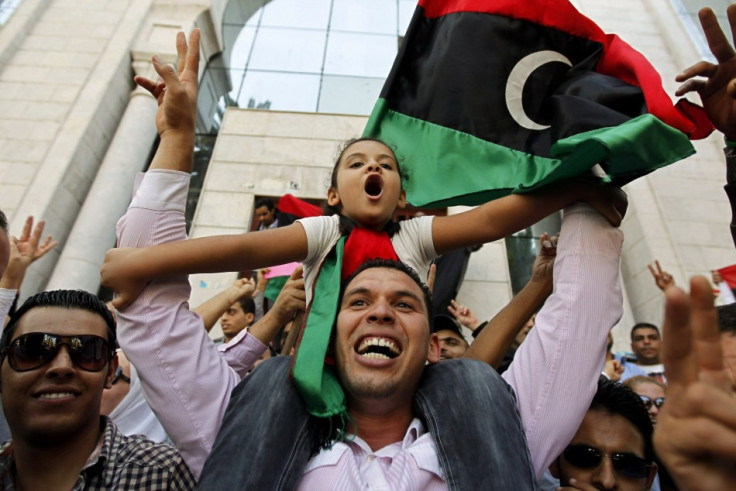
(313, 369)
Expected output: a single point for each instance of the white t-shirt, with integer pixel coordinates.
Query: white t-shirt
(413, 245)
(655, 371)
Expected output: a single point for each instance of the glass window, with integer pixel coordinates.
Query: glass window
(310, 14)
(7, 7)
(242, 47)
(406, 12)
(375, 16)
(293, 50)
(523, 246)
(348, 95)
(367, 55)
(280, 91)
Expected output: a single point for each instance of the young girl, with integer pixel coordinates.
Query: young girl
(365, 188)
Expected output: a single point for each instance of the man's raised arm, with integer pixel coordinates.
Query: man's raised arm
(555, 370)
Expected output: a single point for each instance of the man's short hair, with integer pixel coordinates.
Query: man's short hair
(727, 318)
(643, 325)
(69, 299)
(267, 202)
(442, 322)
(3, 221)
(248, 305)
(392, 264)
(616, 398)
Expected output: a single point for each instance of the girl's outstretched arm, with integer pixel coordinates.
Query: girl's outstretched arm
(504, 216)
(127, 270)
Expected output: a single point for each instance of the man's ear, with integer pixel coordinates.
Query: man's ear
(250, 318)
(112, 368)
(333, 197)
(433, 354)
(554, 468)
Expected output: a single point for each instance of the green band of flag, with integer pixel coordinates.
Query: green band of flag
(447, 167)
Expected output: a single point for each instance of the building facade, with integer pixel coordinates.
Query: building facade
(75, 130)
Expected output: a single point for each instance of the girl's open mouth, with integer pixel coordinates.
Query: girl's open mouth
(374, 186)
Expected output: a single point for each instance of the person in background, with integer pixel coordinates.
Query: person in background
(651, 391)
(452, 342)
(57, 354)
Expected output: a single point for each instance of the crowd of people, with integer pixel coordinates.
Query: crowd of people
(370, 390)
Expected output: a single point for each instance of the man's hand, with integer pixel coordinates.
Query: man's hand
(291, 299)
(176, 90)
(241, 288)
(718, 90)
(24, 250)
(613, 369)
(662, 279)
(545, 260)
(463, 315)
(695, 434)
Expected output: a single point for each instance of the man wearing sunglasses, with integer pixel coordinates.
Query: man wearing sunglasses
(612, 448)
(57, 355)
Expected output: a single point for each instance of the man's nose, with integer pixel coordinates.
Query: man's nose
(381, 312)
(605, 475)
(62, 363)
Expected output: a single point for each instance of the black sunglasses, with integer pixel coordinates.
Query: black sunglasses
(30, 351)
(648, 402)
(626, 464)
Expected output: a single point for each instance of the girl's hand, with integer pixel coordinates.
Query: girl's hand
(118, 275)
(608, 200)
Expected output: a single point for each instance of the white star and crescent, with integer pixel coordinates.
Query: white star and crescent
(518, 77)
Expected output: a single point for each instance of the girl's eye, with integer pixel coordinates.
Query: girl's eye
(356, 164)
(387, 166)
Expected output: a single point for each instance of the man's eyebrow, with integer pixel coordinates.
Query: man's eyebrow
(398, 293)
(407, 293)
(355, 291)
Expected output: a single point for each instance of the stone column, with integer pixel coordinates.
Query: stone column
(94, 230)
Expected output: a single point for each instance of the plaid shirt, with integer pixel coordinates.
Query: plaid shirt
(119, 462)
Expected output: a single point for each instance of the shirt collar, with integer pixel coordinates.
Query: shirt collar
(333, 455)
(105, 452)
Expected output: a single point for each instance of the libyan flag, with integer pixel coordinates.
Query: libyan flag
(487, 98)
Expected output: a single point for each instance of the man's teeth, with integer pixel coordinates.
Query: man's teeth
(376, 356)
(386, 348)
(56, 395)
